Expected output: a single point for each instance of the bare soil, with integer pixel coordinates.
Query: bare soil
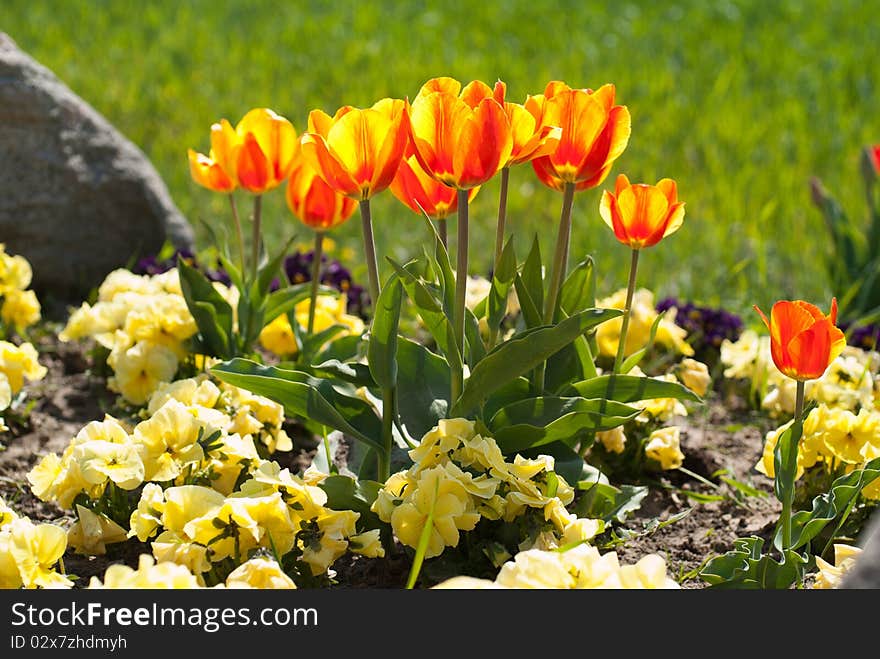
(720, 437)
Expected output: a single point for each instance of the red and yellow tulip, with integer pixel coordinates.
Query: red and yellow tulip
(595, 132)
(255, 155)
(315, 203)
(423, 194)
(641, 215)
(461, 137)
(803, 340)
(357, 151)
(530, 138)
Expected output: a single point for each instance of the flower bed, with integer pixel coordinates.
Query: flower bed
(250, 424)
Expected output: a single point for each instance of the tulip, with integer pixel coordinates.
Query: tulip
(424, 194)
(462, 138)
(875, 156)
(357, 153)
(320, 207)
(255, 155)
(803, 343)
(594, 132)
(640, 215)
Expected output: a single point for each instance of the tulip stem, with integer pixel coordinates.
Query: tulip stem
(624, 327)
(442, 230)
(461, 273)
(502, 216)
(499, 240)
(316, 278)
(238, 232)
(560, 258)
(788, 502)
(370, 250)
(557, 273)
(255, 248)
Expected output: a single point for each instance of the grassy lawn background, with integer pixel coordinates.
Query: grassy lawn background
(740, 102)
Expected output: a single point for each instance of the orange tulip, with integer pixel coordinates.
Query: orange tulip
(594, 134)
(256, 155)
(314, 202)
(530, 139)
(357, 152)
(424, 194)
(803, 341)
(641, 215)
(461, 137)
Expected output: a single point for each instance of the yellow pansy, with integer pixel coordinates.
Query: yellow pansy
(234, 455)
(367, 544)
(453, 508)
(15, 272)
(259, 573)
(642, 315)
(100, 460)
(149, 575)
(92, 532)
(613, 440)
(19, 363)
(147, 517)
(334, 527)
(138, 370)
(36, 548)
(190, 391)
(330, 310)
(20, 309)
(169, 547)
(168, 441)
(7, 514)
(694, 375)
(186, 503)
(830, 576)
(664, 447)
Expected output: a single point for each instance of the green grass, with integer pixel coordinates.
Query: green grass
(740, 102)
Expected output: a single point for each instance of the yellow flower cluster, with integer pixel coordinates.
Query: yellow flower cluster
(833, 438)
(143, 321)
(581, 567)
(17, 364)
(851, 382)
(197, 526)
(642, 316)
(830, 576)
(195, 431)
(20, 308)
(463, 477)
(255, 573)
(330, 310)
(29, 552)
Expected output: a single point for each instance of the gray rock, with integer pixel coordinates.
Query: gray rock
(77, 199)
(866, 571)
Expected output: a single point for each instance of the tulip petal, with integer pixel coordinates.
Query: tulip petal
(668, 187)
(582, 120)
(484, 145)
(436, 122)
(475, 91)
(254, 173)
(809, 352)
(393, 146)
(316, 153)
(443, 84)
(208, 173)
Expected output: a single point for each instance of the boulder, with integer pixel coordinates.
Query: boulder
(77, 199)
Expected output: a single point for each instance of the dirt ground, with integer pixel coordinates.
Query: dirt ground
(717, 437)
